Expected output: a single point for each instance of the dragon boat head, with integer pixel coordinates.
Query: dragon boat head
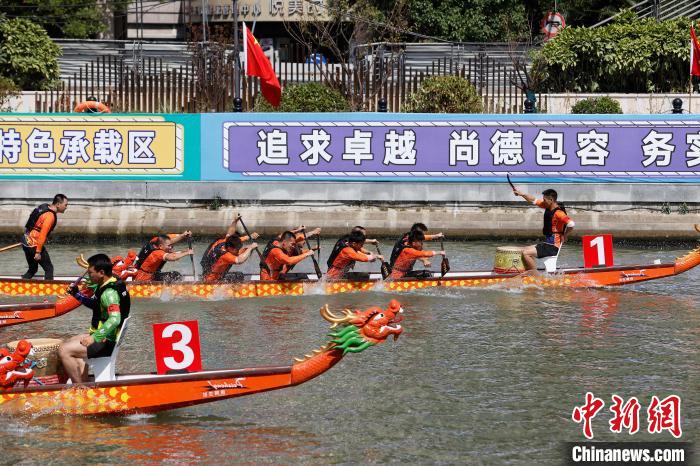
(12, 368)
(355, 331)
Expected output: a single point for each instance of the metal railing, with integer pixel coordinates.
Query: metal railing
(661, 10)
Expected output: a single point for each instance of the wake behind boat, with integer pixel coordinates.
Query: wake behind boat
(300, 284)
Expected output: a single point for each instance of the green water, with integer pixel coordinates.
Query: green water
(478, 376)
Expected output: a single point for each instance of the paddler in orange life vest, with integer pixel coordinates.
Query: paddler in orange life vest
(282, 254)
(156, 253)
(403, 242)
(221, 255)
(216, 260)
(123, 267)
(556, 228)
(343, 259)
(41, 223)
(410, 252)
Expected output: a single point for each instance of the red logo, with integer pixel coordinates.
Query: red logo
(665, 415)
(587, 412)
(177, 347)
(626, 415)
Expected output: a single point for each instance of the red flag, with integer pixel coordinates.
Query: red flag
(257, 64)
(694, 53)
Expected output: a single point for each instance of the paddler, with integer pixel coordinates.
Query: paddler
(341, 261)
(156, 253)
(409, 254)
(123, 267)
(556, 228)
(281, 254)
(110, 303)
(403, 242)
(221, 255)
(37, 230)
(343, 243)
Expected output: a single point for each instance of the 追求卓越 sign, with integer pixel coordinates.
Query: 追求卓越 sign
(101, 146)
(452, 149)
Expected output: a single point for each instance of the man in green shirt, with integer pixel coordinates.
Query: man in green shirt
(110, 302)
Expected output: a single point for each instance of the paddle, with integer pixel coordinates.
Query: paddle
(445, 264)
(318, 247)
(189, 246)
(319, 274)
(385, 267)
(12, 246)
(510, 182)
(263, 265)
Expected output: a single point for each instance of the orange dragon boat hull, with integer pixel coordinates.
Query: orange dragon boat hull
(148, 393)
(573, 278)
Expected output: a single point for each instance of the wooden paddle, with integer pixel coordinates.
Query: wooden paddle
(319, 274)
(263, 265)
(510, 182)
(12, 246)
(697, 228)
(445, 264)
(385, 267)
(189, 246)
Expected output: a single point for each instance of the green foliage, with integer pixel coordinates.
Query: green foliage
(77, 19)
(27, 55)
(602, 104)
(468, 20)
(8, 89)
(444, 94)
(628, 55)
(307, 97)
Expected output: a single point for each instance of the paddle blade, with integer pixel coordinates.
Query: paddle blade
(386, 270)
(319, 274)
(444, 266)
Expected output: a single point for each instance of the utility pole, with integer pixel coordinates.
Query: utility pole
(237, 102)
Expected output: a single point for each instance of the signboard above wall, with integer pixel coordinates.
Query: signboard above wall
(416, 147)
(265, 10)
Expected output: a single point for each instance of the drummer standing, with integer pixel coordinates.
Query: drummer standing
(110, 303)
(556, 228)
(39, 226)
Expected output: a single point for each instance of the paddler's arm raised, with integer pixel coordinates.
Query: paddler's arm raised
(434, 237)
(529, 198)
(245, 253)
(176, 238)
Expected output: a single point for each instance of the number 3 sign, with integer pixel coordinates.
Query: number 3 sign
(177, 346)
(597, 251)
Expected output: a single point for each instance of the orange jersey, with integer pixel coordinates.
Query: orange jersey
(345, 260)
(220, 267)
(559, 222)
(277, 260)
(153, 263)
(408, 257)
(37, 236)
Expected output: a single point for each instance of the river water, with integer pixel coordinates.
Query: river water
(484, 376)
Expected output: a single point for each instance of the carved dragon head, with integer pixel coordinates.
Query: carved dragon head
(12, 365)
(358, 330)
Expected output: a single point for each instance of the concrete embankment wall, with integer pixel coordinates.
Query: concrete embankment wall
(463, 210)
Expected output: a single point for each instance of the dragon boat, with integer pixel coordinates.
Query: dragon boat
(300, 284)
(123, 394)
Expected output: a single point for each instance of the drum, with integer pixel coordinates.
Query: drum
(47, 368)
(509, 259)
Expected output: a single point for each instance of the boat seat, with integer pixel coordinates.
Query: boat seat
(104, 368)
(550, 263)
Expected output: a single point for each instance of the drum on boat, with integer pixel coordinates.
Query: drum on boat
(47, 367)
(509, 259)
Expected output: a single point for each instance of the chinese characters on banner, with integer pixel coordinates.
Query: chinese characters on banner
(661, 415)
(65, 145)
(469, 148)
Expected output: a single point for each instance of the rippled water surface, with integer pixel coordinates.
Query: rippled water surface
(478, 376)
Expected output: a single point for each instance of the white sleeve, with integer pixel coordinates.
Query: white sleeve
(571, 224)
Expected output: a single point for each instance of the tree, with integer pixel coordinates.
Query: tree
(27, 55)
(78, 19)
(445, 94)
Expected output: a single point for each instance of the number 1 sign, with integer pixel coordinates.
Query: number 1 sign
(597, 251)
(177, 347)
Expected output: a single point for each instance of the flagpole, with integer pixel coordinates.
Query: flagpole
(237, 102)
